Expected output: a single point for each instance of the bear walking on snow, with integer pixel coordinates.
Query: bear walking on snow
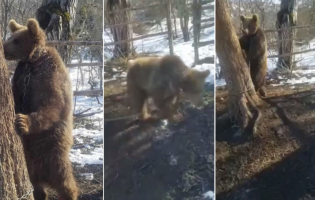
(43, 101)
(160, 79)
(254, 45)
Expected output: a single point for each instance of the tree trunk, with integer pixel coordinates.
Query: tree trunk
(14, 178)
(174, 19)
(286, 17)
(57, 18)
(313, 12)
(183, 12)
(186, 30)
(122, 32)
(242, 95)
(196, 8)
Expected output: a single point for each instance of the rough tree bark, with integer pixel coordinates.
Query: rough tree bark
(14, 179)
(286, 18)
(242, 96)
(57, 18)
(123, 32)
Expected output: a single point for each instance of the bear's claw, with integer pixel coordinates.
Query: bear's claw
(22, 123)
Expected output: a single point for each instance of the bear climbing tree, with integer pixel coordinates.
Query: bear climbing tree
(14, 178)
(253, 42)
(242, 95)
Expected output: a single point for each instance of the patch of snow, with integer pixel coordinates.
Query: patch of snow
(164, 123)
(78, 140)
(95, 157)
(87, 176)
(173, 160)
(90, 150)
(209, 195)
(185, 50)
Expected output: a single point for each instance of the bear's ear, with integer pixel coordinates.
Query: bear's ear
(255, 18)
(13, 26)
(131, 62)
(242, 17)
(32, 26)
(204, 74)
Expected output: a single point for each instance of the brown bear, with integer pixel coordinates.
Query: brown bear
(162, 79)
(244, 43)
(43, 106)
(254, 45)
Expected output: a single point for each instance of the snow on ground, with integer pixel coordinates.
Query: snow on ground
(208, 195)
(305, 70)
(90, 149)
(159, 45)
(88, 141)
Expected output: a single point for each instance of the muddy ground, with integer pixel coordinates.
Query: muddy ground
(159, 161)
(278, 163)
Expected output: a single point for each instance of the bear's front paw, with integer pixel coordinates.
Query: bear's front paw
(23, 123)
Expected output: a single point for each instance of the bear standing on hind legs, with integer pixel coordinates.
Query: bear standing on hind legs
(43, 105)
(254, 45)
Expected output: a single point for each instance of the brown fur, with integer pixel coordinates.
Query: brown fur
(253, 42)
(44, 118)
(162, 79)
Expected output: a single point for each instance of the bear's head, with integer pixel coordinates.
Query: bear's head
(193, 85)
(250, 24)
(24, 40)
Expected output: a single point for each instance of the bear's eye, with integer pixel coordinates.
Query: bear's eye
(16, 41)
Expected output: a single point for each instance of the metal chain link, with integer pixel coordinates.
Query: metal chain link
(25, 196)
(27, 79)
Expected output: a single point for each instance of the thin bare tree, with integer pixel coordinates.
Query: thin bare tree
(183, 13)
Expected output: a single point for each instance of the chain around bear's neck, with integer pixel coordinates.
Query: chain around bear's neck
(26, 82)
(37, 54)
(37, 58)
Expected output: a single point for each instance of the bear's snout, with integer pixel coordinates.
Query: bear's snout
(6, 51)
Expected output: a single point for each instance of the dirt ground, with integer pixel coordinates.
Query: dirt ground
(278, 162)
(89, 189)
(160, 161)
(90, 176)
